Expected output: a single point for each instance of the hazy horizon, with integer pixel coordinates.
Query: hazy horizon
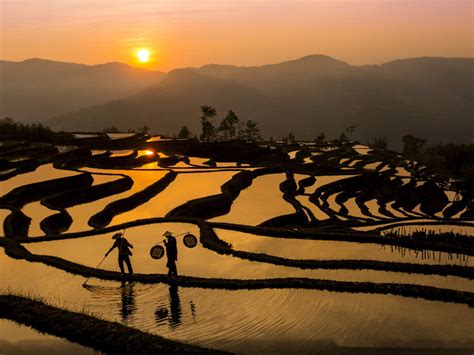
(244, 33)
(133, 65)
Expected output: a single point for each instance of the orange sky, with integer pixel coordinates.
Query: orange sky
(243, 32)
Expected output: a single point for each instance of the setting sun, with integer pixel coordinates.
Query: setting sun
(143, 55)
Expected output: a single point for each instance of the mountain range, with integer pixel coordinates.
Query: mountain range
(426, 97)
(38, 89)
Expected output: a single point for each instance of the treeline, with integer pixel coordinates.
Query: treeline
(229, 128)
(453, 163)
(35, 131)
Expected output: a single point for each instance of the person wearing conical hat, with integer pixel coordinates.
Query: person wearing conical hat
(171, 253)
(124, 252)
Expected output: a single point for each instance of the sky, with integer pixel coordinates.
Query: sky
(181, 33)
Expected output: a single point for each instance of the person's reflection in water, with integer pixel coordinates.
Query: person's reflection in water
(128, 301)
(175, 306)
(174, 314)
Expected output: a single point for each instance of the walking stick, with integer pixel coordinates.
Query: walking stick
(94, 270)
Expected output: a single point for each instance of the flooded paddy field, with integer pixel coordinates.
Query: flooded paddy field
(312, 250)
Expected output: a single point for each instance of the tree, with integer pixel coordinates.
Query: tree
(252, 132)
(291, 138)
(379, 143)
(241, 130)
(111, 129)
(350, 131)
(412, 145)
(343, 137)
(143, 129)
(228, 125)
(184, 133)
(208, 130)
(321, 137)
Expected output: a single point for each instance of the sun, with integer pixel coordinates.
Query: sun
(143, 55)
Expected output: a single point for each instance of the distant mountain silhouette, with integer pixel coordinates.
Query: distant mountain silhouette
(428, 97)
(37, 89)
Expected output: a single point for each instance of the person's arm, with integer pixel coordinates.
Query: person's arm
(112, 248)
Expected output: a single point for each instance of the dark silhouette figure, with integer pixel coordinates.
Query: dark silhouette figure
(173, 315)
(175, 307)
(128, 301)
(124, 252)
(171, 254)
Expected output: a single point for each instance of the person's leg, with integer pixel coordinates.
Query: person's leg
(120, 261)
(129, 264)
(174, 272)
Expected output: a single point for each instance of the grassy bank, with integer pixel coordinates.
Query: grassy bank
(101, 335)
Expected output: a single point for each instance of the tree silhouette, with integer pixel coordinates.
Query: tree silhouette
(251, 131)
(379, 143)
(291, 138)
(208, 130)
(184, 133)
(412, 145)
(34, 131)
(228, 125)
(111, 129)
(321, 137)
(350, 131)
(143, 129)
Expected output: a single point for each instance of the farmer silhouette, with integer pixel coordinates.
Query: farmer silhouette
(124, 252)
(171, 253)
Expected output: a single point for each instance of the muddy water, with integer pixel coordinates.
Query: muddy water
(252, 321)
(19, 339)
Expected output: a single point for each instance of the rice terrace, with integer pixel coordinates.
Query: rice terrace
(294, 240)
(288, 177)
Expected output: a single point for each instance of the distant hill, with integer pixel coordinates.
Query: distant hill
(427, 97)
(37, 89)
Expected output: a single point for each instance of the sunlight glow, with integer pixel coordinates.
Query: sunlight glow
(143, 55)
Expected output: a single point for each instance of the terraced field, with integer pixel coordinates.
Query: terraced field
(311, 245)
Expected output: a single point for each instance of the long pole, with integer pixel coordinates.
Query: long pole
(179, 235)
(95, 269)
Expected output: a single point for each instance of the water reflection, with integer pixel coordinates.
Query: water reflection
(228, 320)
(174, 314)
(128, 306)
(175, 306)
